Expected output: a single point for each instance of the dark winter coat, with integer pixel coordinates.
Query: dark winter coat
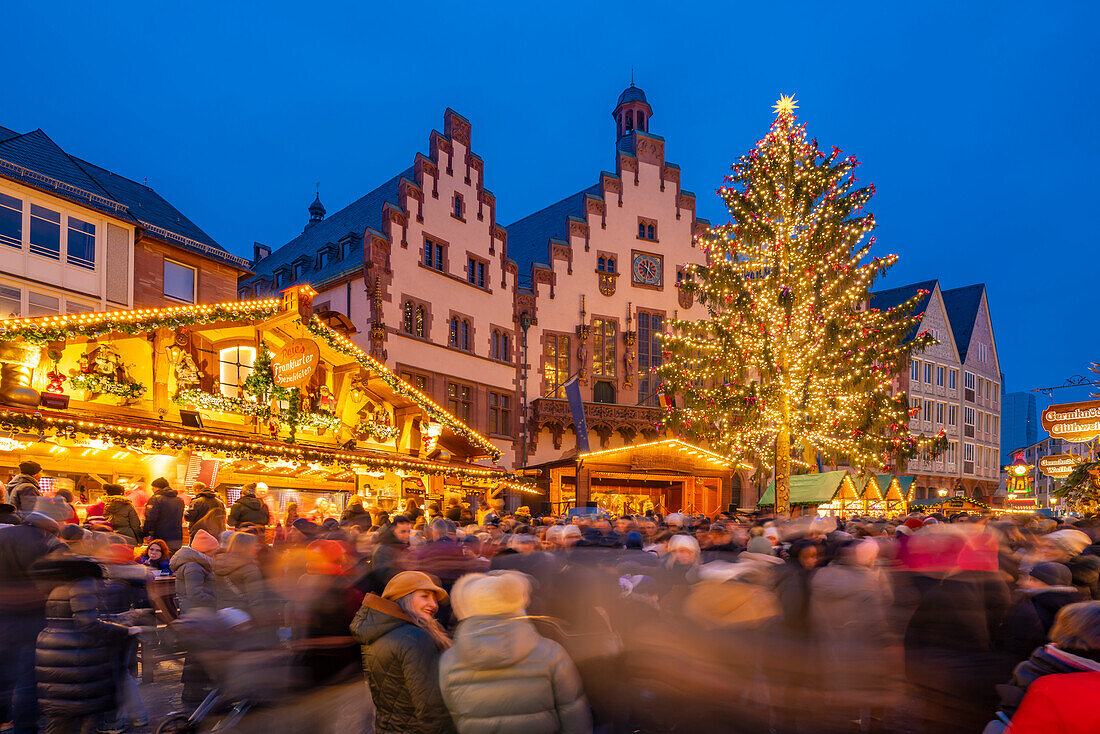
(502, 677)
(385, 560)
(120, 512)
(23, 492)
(164, 518)
(77, 654)
(249, 508)
(356, 518)
(401, 663)
(201, 505)
(20, 547)
(194, 572)
(1046, 660)
(1029, 619)
(239, 583)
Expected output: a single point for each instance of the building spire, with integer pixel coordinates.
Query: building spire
(316, 209)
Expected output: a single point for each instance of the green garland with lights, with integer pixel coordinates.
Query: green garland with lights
(106, 385)
(139, 438)
(122, 322)
(203, 400)
(377, 430)
(328, 335)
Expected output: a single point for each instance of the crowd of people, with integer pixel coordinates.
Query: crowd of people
(459, 619)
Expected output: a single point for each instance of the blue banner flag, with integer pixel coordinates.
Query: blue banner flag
(576, 407)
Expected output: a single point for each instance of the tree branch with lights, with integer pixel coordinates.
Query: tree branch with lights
(790, 359)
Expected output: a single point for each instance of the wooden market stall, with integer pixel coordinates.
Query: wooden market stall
(255, 391)
(665, 476)
(883, 496)
(830, 493)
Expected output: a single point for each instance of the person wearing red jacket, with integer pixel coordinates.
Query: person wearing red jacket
(1060, 704)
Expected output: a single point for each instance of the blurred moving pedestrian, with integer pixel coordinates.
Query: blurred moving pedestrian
(501, 675)
(22, 616)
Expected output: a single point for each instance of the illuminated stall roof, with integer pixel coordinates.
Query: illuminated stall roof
(815, 489)
(291, 317)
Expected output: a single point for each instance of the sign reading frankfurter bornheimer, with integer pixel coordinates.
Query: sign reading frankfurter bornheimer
(1058, 466)
(1074, 422)
(295, 363)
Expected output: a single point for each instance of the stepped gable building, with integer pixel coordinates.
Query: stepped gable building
(604, 264)
(76, 237)
(417, 271)
(429, 282)
(953, 386)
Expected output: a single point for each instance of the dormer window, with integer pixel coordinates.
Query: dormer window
(647, 229)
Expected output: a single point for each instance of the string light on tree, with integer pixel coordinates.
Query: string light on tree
(790, 357)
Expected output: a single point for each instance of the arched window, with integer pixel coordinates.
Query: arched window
(504, 347)
(453, 339)
(641, 121)
(641, 231)
(420, 321)
(611, 265)
(629, 121)
(651, 232)
(465, 335)
(407, 318)
(601, 265)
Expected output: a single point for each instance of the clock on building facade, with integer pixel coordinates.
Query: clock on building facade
(647, 269)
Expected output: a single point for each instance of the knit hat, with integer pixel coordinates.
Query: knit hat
(760, 544)
(326, 557)
(1069, 541)
(685, 542)
(54, 507)
(491, 594)
(1052, 574)
(160, 483)
(407, 582)
(204, 542)
(42, 521)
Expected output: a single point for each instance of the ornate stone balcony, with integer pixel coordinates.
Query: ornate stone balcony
(603, 418)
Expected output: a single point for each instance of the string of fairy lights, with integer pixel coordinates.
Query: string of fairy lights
(790, 343)
(46, 329)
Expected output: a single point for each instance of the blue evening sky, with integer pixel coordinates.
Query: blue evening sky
(976, 121)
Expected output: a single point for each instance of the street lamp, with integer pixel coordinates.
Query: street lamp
(525, 324)
(943, 497)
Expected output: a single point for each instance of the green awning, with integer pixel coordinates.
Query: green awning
(808, 489)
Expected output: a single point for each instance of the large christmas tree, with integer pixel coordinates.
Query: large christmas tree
(790, 359)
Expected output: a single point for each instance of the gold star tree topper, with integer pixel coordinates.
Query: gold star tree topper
(786, 105)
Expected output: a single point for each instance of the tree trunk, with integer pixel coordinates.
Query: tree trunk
(783, 471)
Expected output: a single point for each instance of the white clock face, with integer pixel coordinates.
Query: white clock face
(647, 269)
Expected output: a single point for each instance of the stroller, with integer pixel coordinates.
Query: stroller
(246, 669)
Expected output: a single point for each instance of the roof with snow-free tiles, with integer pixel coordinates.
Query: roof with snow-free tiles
(356, 218)
(962, 311)
(894, 297)
(529, 238)
(35, 160)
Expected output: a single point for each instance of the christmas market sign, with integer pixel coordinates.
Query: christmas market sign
(295, 363)
(1059, 466)
(1074, 422)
